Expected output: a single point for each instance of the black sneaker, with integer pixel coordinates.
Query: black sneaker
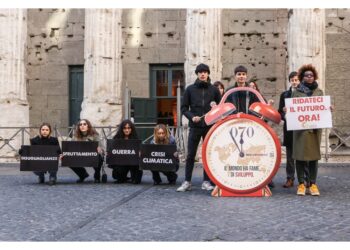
(157, 183)
(41, 179)
(52, 181)
(81, 179)
(104, 178)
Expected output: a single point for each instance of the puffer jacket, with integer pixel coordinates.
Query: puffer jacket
(196, 101)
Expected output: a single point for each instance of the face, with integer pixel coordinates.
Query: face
(45, 131)
(221, 89)
(252, 85)
(83, 126)
(203, 76)
(127, 130)
(161, 134)
(241, 77)
(294, 81)
(309, 77)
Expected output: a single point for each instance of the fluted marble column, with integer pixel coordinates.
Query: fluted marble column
(102, 103)
(13, 94)
(307, 40)
(203, 42)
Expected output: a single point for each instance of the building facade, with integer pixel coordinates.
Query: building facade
(59, 65)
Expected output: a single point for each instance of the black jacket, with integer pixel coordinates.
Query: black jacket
(287, 135)
(196, 101)
(239, 99)
(46, 141)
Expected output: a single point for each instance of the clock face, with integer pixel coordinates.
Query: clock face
(241, 153)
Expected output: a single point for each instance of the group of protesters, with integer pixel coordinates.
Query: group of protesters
(302, 146)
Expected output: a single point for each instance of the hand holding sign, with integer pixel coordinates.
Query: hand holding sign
(308, 112)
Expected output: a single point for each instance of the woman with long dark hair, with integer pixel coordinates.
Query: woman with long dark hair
(45, 138)
(126, 131)
(84, 131)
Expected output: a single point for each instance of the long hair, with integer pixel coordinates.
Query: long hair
(256, 86)
(91, 130)
(307, 67)
(217, 84)
(120, 133)
(166, 131)
(47, 125)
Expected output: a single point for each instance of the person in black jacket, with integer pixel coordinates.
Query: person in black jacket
(126, 131)
(241, 99)
(45, 138)
(288, 135)
(197, 101)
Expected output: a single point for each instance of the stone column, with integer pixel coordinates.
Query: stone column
(203, 42)
(102, 103)
(307, 40)
(307, 44)
(13, 94)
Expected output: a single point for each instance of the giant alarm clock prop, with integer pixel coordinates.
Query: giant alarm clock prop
(241, 152)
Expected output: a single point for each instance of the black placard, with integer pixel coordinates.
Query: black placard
(123, 152)
(39, 158)
(79, 154)
(158, 157)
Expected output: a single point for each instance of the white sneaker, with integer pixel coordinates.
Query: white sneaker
(185, 186)
(207, 186)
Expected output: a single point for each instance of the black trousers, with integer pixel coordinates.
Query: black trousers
(120, 173)
(171, 176)
(194, 138)
(82, 173)
(307, 171)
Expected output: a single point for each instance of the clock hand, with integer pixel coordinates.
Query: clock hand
(241, 154)
(234, 140)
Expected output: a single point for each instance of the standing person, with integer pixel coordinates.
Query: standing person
(126, 131)
(220, 87)
(241, 99)
(288, 135)
(84, 131)
(162, 136)
(307, 143)
(197, 101)
(45, 138)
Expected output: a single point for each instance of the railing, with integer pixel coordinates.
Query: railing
(11, 138)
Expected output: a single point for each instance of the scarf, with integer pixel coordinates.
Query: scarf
(306, 88)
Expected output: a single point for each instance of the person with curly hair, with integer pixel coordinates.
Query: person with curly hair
(307, 143)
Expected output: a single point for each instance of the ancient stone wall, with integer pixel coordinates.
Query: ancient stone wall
(256, 39)
(150, 36)
(55, 41)
(338, 65)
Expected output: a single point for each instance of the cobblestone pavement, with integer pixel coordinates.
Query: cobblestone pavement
(126, 212)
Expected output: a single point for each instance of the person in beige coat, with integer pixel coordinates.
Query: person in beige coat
(306, 143)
